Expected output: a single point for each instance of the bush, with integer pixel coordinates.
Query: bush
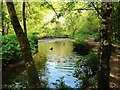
(86, 69)
(11, 51)
(60, 84)
(33, 40)
(81, 47)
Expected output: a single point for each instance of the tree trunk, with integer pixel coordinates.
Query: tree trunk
(33, 79)
(105, 45)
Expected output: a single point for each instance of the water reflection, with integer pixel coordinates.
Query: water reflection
(56, 59)
(59, 48)
(40, 61)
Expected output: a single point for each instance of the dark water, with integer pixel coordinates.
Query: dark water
(55, 59)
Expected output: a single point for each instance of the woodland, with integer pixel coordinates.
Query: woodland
(94, 28)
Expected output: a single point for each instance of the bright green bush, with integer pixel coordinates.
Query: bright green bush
(11, 51)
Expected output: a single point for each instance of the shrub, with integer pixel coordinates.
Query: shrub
(11, 51)
(60, 84)
(81, 47)
(86, 69)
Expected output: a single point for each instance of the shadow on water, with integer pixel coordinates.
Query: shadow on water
(55, 59)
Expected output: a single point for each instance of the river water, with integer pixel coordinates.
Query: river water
(59, 60)
(55, 59)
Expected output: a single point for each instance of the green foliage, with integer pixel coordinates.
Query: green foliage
(116, 20)
(81, 25)
(81, 47)
(77, 43)
(116, 41)
(40, 17)
(11, 51)
(16, 85)
(59, 84)
(90, 60)
(33, 40)
(86, 69)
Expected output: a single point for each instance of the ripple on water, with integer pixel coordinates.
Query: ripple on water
(60, 61)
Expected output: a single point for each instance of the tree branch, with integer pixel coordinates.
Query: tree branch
(53, 9)
(96, 9)
(67, 8)
(84, 9)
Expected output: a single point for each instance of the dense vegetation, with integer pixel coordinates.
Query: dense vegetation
(75, 20)
(43, 21)
(87, 70)
(11, 51)
(47, 24)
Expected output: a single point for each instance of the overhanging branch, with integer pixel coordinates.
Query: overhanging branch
(53, 9)
(84, 9)
(96, 9)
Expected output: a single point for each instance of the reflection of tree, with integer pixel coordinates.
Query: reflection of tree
(41, 60)
(57, 48)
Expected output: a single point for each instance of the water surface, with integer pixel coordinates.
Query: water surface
(57, 60)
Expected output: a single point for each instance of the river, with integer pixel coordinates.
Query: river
(55, 59)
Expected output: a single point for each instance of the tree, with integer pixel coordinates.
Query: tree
(105, 45)
(25, 47)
